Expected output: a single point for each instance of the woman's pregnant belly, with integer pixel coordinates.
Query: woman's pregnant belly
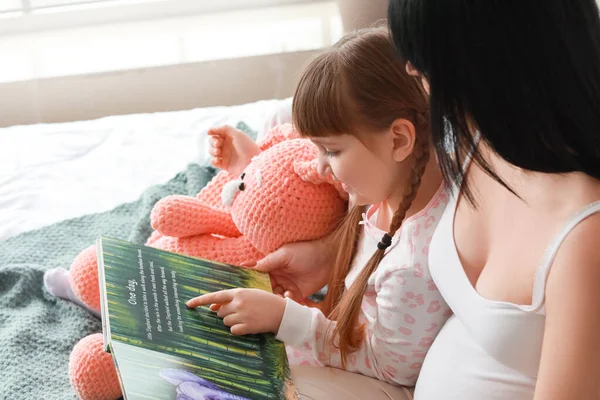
(457, 368)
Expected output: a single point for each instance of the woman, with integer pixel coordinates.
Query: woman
(516, 258)
(515, 87)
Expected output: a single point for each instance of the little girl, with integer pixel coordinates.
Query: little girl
(369, 119)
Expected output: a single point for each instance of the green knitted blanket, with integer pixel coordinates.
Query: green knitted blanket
(37, 330)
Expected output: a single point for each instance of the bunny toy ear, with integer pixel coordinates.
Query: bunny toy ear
(278, 134)
(308, 172)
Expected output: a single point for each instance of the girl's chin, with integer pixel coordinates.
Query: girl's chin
(357, 200)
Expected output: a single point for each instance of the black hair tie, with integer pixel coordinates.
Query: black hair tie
(386, 241)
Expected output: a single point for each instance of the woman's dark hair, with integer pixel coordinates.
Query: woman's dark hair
(525, 73)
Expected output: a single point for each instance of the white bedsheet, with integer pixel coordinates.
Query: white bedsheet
(52, 172)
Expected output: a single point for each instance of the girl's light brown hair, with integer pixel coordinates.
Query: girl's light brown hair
(360, 86)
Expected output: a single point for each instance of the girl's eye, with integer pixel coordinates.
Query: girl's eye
(331, 153)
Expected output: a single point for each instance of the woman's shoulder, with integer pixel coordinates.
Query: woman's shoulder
(579, 250)
(572, 281)
(573, 257)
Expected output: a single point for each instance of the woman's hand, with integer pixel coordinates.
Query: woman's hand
(300, 269)
(245, 311)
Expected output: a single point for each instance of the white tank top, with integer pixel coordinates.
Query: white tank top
(487, 349)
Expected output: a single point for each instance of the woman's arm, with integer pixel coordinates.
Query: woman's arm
(300, 269)
(570, 362)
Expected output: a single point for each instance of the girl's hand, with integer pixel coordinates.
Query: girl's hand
(245, 311)
(231, 149)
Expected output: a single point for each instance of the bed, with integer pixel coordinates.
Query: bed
(63, 184)
(51, 172)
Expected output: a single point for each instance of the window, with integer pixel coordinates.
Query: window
(22, 16)
(31, 6)
(138, 43)
(40, 4)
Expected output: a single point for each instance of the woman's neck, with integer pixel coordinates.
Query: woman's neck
(430, 183)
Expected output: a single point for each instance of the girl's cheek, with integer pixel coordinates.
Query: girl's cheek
(338, 170)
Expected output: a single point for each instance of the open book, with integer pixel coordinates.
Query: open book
(162, 349)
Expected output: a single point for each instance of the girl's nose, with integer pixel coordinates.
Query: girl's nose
(323, 167)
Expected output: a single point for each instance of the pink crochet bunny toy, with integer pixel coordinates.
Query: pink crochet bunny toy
(280, 198)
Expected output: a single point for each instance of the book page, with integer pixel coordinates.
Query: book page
(146, 291)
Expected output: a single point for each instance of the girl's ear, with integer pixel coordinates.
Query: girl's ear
(404, 135)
